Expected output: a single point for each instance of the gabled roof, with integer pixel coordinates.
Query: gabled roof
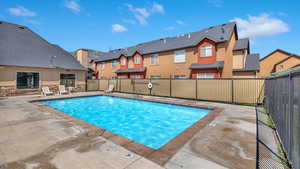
(19, 46)
(241, 44)
(219, 64)
(279, 50)
(251, 63)
(217, 34)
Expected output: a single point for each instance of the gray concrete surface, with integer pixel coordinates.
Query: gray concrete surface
(31, 138)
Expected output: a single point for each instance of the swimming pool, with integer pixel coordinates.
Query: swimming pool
(152, 124)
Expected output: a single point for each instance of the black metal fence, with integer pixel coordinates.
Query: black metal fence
(282, 102)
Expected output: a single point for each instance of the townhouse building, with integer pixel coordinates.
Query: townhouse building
(278, 61)
(214, 52)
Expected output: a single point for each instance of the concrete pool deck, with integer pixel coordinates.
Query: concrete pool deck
(34, 138)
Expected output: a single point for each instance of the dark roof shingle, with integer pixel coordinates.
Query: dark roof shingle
(19, 46)
(251, 63)
(219, 64)
(218, 33)
(241, 44)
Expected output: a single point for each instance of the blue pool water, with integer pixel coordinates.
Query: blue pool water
(150, 123)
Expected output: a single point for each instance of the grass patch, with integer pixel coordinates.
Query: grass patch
(284, 160)
(271, 123)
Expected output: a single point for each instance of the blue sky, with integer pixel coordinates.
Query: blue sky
(110, 24)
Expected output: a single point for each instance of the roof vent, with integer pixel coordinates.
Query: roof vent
(1, 22)
(223, 24)
(223, 30)
(165, 40)
(21, 27)
(222, 38)
(189, 36)
(210, 27)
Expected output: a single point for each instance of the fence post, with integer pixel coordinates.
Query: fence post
(196, 88)
(232, 92)
(86, 83)
(120, 85)
(170, 86)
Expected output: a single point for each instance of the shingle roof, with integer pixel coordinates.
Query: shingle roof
(241, 44)
(218, 33)
(251, 64)
(19, 46)
(132, 70)
(218, 64)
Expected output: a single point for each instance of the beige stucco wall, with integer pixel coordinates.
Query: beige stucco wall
(287, 64)
(267, 64)
(238, 59)
(48, 77)
(82, 57)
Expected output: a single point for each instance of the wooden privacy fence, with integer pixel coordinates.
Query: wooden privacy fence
(221, 90)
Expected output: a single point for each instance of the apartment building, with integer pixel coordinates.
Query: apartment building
(278, 61)
(214, 52)
(28, 62)
(86, 58)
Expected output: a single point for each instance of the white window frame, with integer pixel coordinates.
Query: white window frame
(113, 63)
(179, 56)
(137, 59)
(154, 59)
(206, 51)
(123, 61)
(205, 75)
(136, 76)
(102, 66)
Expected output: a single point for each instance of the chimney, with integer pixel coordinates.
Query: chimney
(189, 36)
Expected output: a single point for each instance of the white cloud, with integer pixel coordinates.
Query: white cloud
(118, 28)
(33, 22)
(72, 5)
(142, 14)
(158, 8)
(216, 3)
(169, 28)
(21, 11)
(263, 25)
(179, 22)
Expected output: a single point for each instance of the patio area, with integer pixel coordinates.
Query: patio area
(34, 138)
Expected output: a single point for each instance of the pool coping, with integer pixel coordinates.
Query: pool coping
(160, 156)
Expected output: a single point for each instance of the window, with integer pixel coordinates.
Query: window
(179, 56)
(114, 63)
(122, 77)
(154, 76)
(137, 59)
(179, 76)
(102, 66)
(28, 80)
(154, 59)
(123, 61)
(205, 75)
(206, 51)
(67, 79)
(136, 76)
